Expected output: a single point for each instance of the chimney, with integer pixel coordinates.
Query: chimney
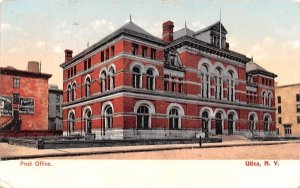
(167, 34)
(227, 46)
(33, 66)
(68, 55)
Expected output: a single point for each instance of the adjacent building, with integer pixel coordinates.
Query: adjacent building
(132, 84)
(288, 109)
(55, 109)
(24, 98)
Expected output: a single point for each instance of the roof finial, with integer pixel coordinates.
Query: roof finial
(184, 23)
(130, 17)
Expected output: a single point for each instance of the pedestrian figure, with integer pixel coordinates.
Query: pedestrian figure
(200, 141)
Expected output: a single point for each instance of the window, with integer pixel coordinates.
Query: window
(88, 87)
(153, 54)
(69, 93)
(279, 99)
(74, 70)
(298, 119)
(252, 122)
(71, 127)
(279, 120)
(174, 118)
(102, 56)
(143, 117)
(173, 84)
(16, 82)
(298, 97)
(57, 99)
(144, 51)
(16, 98)
(180, 88)
(218, 85)
(57, 109)
(88, 121)
(279, 109)
(150, 79)
(287, 129)
(298, 107)
(112, 51)
(69, 75)
(135, 49)
(205, 79)
(85, 65)
(73, 91)
(166, 82)
(111, 73)
(107, 54)
(231, 87)
(205, 121)
(136, 77)
(89, 63)
(103, 81)
(108, 117)
(266, 123)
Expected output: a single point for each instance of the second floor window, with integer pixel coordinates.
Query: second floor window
(16, 83)
(135, 49)
(279, 109)
(88, 87)
(153, 54)
(136, 77)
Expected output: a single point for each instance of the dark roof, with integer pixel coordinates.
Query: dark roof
(183, 32)
(130, 29)
(215, 26)
(23, 73)
(253, 68)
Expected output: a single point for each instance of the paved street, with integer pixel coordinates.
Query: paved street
(290, 150)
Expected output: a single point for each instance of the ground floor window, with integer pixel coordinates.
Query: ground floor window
(287, 129)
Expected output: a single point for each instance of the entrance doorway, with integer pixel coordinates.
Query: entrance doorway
(219, 123)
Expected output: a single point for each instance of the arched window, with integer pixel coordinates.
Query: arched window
(205, 122)
(230, 123)
(111, 73)
(73, 91)
(264, 98)
(219, 123)
(150, 79)
(108, 114)
(205, 81)
(143, 117)
(103, 81)
(252, 122)
(270, 99)
(88, 121)
(218, 84)
(136, 77)
(71, 127)
(266, 123)
(231, 87)
(174, 119)
(88, 86)
(69, 93)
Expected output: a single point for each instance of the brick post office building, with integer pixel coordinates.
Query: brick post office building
(23, 98)
(132, 84)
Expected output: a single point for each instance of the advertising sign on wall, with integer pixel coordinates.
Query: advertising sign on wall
(5, 106)
(26, 105)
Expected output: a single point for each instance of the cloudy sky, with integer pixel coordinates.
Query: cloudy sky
(41, 29)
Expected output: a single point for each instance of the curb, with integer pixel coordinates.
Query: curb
(138, 150)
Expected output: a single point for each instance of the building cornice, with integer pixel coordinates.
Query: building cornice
(23, 73)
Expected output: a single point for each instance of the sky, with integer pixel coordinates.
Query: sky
(40, 30)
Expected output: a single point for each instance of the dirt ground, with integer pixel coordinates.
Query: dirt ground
(281, 152)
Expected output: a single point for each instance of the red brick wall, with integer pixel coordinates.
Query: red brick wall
(36, 88)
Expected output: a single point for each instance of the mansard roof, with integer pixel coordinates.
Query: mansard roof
(129, 29)
(183, 32)
(253, 68)
(215, 27)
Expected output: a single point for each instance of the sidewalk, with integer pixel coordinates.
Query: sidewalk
(12, 152)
